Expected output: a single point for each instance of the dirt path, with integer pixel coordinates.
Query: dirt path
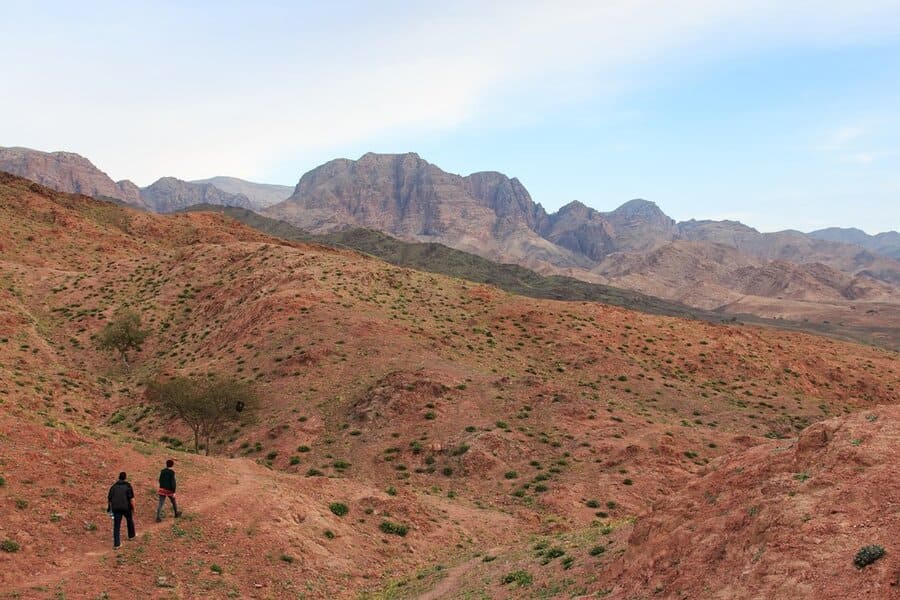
(449, 582)
(242, 473)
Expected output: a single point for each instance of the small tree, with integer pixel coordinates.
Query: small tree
(123, 334)
(205, 406)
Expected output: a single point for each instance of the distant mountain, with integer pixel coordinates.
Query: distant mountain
(887, 243)
(261, 195)
(170, 194)
(74, 174)
(407, 197)
(66, 172)
(704, 263)
(707, 264)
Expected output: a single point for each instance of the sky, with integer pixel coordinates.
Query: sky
(780, 114)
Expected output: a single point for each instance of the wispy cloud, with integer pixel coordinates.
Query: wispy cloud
(841, 137)
(200, 90)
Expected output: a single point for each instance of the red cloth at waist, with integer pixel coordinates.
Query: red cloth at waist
(165, 492)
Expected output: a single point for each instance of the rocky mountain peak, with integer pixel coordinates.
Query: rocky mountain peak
(641, 209)
(63, 171)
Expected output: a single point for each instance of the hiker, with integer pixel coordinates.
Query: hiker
(120, 502)
(167, 490)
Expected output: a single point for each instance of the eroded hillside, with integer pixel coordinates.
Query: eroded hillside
(483, 422)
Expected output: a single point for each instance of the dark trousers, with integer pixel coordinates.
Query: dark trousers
(117, 526)
(162, 502)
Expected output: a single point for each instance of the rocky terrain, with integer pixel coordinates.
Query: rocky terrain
(523, 447)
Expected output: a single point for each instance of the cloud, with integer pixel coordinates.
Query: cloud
(843, 136)
(194, 91)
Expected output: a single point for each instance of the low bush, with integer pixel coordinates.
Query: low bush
(867, 555)
(520, 578)
(392, 528)
(338, 508)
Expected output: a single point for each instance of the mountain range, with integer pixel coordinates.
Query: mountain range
(720, 265)
(74, 174)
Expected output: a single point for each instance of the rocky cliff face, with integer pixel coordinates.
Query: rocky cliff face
(170, 194)
(408, 197)
(509, 200)
(640, 226)
(66, 172)
(582, 230)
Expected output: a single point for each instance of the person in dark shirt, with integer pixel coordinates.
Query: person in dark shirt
(167, 490)
(120, 502)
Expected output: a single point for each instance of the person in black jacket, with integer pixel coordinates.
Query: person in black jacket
(120, 502)
(167, 490)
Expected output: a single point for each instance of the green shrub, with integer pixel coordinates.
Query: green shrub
(338, 508)
(510, 475)
(329, 534)
(520, 578)
(287, 558)
(597, 550)
(314, 473)
(215, 568)
(448, 471)
(272, 455)
(9, 546)
(302, 448)
(2, 481)
(552, 553)
(21, 503)
(295, 460)
(391, 491)
(393, 528)
(341, 465)
(867, 555)
(459, 450)
(627, 481)
(592, 504)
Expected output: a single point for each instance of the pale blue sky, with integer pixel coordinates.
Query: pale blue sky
(779, 114)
